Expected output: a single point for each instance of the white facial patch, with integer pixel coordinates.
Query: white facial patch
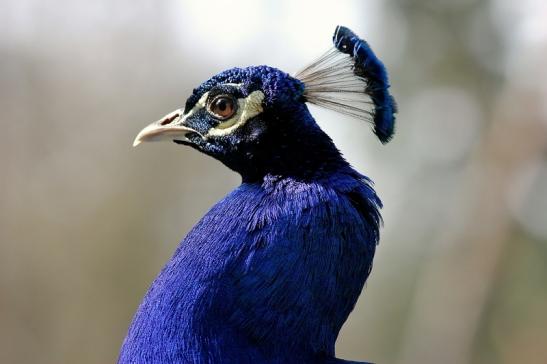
(247, 108)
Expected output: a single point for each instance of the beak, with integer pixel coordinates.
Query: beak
(167, 128)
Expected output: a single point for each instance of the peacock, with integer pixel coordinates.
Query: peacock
(272, 271)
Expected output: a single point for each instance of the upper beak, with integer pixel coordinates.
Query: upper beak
(167, 128)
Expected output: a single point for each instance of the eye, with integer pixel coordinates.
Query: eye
(222, 107)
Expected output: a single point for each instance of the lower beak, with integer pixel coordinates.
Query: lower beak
(167, 128)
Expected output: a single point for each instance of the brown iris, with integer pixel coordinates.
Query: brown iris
(222, 107)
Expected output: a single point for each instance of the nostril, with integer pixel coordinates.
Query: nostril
(169, 120)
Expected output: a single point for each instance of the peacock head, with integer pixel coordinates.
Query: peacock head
(248, 116)
(230, 112)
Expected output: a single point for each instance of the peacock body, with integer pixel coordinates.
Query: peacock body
(272, 271)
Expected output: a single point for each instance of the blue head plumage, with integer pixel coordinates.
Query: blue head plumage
(279, 88)
(272, 271)
(264, 103)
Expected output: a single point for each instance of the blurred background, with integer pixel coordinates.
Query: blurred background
(86, 221)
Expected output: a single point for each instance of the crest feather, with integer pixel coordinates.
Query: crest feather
(350, 79)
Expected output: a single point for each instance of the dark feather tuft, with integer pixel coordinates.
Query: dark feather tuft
(350, 79)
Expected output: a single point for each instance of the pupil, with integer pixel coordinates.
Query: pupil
(222, 105)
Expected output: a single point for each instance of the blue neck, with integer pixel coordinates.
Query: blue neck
(269, 275)
(295, 148)
(272, 271)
